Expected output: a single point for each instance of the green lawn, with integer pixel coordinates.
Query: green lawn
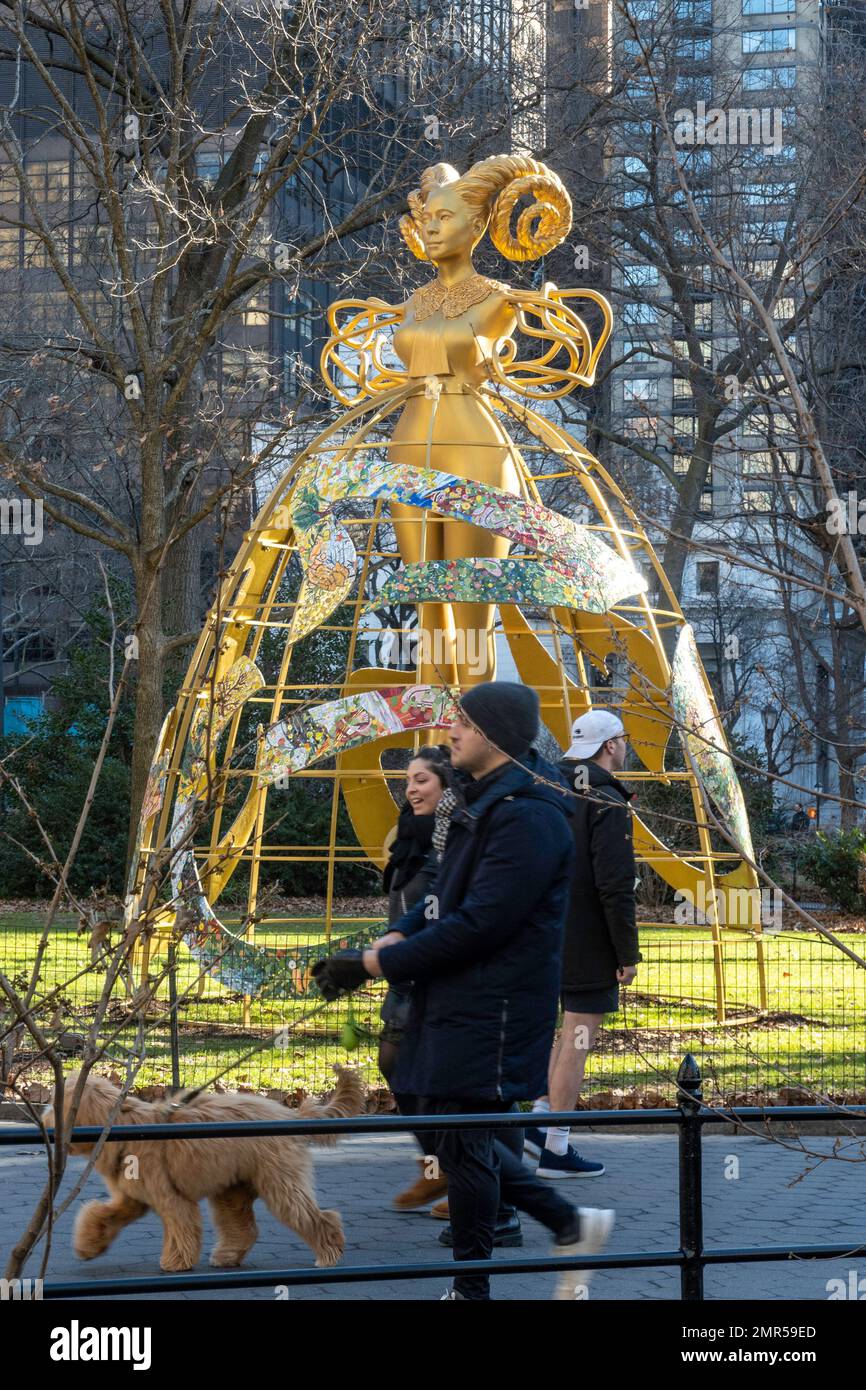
(811, 1035)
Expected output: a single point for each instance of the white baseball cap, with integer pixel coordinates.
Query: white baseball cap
(591, 730)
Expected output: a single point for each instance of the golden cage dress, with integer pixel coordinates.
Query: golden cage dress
(417, 447)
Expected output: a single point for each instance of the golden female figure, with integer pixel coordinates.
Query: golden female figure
(455, 334)
(435, 441)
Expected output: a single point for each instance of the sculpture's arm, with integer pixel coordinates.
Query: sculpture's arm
(355, 346)
(569, 358)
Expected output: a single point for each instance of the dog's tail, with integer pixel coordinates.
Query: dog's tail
(346, 1099)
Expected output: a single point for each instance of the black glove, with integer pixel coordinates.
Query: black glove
(340, 973)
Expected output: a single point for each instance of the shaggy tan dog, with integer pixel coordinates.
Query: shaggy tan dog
(171, 1177)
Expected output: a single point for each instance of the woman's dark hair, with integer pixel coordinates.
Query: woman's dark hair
(439, 758)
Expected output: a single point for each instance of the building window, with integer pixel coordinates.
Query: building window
(9, 187)
(636, 277)
(640, 351)
(694, 11)
(769, 40)
(256, 313)
(685, 427)
(756, 500)
(694, 50)
(756, 234)
(757, 461)
(708, 576)
(782, 191)
(642, 427)
(49, 180)
(10, 248)
(26, 646)
(640, 389)
(764, 79)
(694, 88)
(682, 354)
(762, 157)
(637, 130)
(768, 6)
(638, 87)
(634, 313)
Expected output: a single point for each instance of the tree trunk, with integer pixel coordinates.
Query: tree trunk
(149, 691)
(181, 610)
(181, 604)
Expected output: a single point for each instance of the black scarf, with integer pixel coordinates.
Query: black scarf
(409, 850)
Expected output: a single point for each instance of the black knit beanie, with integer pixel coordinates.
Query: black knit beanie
(505, 712)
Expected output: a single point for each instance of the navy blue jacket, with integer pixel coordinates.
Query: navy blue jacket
(484, 946)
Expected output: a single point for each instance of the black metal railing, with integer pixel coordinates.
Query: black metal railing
(690, 1115)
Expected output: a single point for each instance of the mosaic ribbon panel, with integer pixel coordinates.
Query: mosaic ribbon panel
(285, 748)
(704, 740)
(575, 567)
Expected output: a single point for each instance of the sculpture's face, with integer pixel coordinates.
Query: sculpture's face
(449, 227)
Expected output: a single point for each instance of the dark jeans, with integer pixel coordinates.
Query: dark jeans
(478, 1166)
(409, 1105)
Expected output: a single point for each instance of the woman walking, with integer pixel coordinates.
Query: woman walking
(413, 865)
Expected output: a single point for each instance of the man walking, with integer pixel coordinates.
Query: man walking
(486, 971)
(601, 943)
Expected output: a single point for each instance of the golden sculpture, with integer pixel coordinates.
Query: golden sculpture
(456, 333)
(451, 446)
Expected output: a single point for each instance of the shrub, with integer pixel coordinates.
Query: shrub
(835, 863)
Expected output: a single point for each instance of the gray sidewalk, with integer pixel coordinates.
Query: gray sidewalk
(360, 1176)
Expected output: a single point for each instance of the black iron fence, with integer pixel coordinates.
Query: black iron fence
(690, 1115)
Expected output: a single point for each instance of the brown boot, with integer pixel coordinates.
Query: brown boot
(440, 1210)
(422, 1191)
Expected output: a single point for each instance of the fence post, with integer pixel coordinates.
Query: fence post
(174, 1039)
(690, 1100)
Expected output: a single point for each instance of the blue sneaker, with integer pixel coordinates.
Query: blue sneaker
(534, 1141)
(567, 1165)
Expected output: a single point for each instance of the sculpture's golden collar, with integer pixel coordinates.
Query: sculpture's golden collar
(452, 301)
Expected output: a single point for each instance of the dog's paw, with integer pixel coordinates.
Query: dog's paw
(91, 1235)
(225, 1259)
(331, 1242)
(176, 1264)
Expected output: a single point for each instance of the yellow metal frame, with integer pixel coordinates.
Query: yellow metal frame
(249, 604)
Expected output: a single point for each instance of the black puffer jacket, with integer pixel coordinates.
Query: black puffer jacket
(600, 931)
(486, 967)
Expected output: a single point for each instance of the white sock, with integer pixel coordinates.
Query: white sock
(557, 1140)
(541, 1107)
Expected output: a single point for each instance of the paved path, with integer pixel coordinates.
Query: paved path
(359, 1177)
